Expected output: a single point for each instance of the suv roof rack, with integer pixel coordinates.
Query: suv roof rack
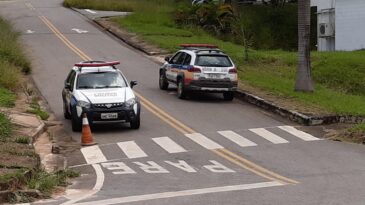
(96, 64)
(198, 46)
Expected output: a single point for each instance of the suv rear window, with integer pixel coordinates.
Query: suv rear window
(213, 61)
(100, 80)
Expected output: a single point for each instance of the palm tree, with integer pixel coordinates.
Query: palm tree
(304, 79)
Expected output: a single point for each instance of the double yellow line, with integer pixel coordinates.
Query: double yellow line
(179, 126)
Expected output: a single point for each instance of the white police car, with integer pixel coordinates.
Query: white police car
(101, 91)
(199, 67)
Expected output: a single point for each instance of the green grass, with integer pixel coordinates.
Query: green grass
(7, 98)
(358, 128)
(339, 76)
(6, 128)
(46, 182)
(36, 109)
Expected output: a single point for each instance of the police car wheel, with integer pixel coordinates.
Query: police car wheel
(228, 96)
(163, 81)
(76, 123)
(135, 124)
(66, 114)
(180, 89)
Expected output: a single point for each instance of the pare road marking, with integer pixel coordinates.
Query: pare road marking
(29, 31)
(79, 30)
(152, 167)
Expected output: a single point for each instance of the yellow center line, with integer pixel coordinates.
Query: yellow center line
(181, 127)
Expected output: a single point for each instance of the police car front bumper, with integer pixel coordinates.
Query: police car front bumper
(103, 115)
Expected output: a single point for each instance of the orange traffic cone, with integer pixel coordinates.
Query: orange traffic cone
(86, 137)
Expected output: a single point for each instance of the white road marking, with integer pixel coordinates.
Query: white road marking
(100, 178)
(182, 165)
(151, 167)
(168, 144)
(236, 138)
(269, 136)
(90, 11)
(120, 166)
(300, 134)
(93, 154)
(191, 192)
(79, 30)
(29, 31)
(132, 150)
(218, 167)
(204, 141)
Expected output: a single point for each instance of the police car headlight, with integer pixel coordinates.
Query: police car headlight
(130, 102)
(83, 104)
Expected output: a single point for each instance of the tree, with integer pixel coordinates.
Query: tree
(304, 79)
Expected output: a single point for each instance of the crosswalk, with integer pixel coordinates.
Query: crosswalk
(132, 150)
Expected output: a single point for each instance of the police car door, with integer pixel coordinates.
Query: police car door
(174, 66)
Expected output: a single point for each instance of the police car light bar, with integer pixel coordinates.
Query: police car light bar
(198, 46)
(86, 64)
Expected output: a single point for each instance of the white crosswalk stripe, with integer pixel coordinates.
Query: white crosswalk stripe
(93, 155)
(204, 141)
(300, 134)
(269, 136)
(168, 144)
(132, 150)
(236, 138)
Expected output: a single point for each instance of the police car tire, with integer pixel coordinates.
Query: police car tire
(76, 124)
(135, 124)
(228, 96)
(66, 114)
(163, 84)
(181, 93)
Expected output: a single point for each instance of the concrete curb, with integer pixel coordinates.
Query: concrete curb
(242, 95)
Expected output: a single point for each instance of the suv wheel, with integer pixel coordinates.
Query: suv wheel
(135, 124)
(66, 114)
(228, 96)
(181, 93)
(76, 123)
(163, 81)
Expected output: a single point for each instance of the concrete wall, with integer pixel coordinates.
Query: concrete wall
(350, 24)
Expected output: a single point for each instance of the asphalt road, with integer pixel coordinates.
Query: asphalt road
(198, 151)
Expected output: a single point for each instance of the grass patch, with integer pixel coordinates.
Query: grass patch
(6, 128)
(46, 182)
(339, 76)
(36, 109)
(22, 140)
(7, 98)
(358, 128)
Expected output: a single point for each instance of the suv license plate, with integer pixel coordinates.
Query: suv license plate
(214, 76)
(107, 116)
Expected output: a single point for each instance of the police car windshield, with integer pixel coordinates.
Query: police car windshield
(213, 61)
(100, 80)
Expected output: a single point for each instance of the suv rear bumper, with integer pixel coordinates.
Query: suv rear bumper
(217, 85)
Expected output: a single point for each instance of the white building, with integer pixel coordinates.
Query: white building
(341, 24)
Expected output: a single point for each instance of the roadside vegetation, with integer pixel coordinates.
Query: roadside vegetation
(339, 76)
(19, 164)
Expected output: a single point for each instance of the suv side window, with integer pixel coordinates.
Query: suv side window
(181, 59)
(187, 60)
(176, 58)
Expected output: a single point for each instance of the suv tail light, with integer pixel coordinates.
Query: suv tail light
(194, 70)
(232, 71)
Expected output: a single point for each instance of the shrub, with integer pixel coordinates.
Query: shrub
(6, 128)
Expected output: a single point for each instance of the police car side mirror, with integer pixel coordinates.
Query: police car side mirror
(167, 59)
(133, 83)
(67, 86)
